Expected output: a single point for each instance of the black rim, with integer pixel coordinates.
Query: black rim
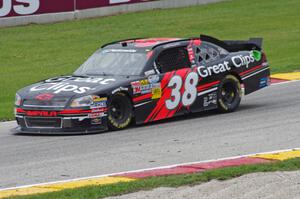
(228, 93)
(117, 109)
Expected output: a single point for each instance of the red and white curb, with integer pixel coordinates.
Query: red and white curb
(129, 176)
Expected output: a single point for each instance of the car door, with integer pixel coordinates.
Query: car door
(178, 83)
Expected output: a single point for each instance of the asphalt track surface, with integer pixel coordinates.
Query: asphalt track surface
(267, 120)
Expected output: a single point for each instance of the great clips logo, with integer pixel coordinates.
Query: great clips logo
(20, 7)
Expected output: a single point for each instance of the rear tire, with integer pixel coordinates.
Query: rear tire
(120, 111)
(229, 94)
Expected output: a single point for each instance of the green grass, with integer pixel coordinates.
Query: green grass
(35, 52)
(97, 192)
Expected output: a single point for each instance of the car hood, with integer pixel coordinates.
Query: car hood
(65, 87)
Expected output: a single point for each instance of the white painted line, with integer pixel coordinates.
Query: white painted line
(148, 169)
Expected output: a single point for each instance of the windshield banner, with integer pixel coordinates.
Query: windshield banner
(13, 8)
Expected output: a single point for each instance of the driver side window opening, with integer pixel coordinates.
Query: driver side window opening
(173, 59)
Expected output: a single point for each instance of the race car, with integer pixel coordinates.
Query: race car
(144, 80)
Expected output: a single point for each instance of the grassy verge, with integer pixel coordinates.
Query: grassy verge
(97, 192)
(35, 52)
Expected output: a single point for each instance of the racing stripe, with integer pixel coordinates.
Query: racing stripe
(255, 73)
(143, 97)
(250, 70)
(160, 111)
(164, 83)
(206, 86)
(182, 90)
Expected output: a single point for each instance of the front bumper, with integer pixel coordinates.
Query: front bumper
(84, 123)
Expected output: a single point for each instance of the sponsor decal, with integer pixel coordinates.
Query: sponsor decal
(237, 61)
(191, 53)
(92, 80)
(60, 87)
(204, 71)
(150, 72)
(191, 56)
(264, 82)
(20, 7)
(257, 55)
(148, 86)
(210, 99)
(57, 79)
(42, 113)
(96, 121)
(97, 115)
(141, 87)
(153, 79)
(86, 4)
(243, 60)
(44, 97)
(97, 98)
(156, 91)
(144, 82)
(99, 103)
(14, 8)
(146, 89)
(136, 87)
(99, 110)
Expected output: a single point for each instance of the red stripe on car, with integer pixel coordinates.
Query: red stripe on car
(143, 97)
(250, 70)
(206, 86)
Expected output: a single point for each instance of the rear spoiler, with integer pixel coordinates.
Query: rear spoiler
(235, 45)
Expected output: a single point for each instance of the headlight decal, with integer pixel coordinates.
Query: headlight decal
(85, 101)
(18, 100)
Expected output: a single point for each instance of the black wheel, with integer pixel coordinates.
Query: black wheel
(119, 111)
(229, 94)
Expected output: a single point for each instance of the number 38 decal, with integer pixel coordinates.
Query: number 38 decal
(190, 90)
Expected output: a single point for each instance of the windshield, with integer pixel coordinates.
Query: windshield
(113, 62)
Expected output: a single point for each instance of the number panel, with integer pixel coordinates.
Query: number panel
(175, 85)
(184, 93)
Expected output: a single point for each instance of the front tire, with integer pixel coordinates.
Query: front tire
(120, 111)
(229, 94)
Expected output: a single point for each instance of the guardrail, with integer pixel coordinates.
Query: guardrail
(22, 12)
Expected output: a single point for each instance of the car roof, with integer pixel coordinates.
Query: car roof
(142, 43)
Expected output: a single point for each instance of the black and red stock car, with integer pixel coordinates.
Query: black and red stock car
(144, 80)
